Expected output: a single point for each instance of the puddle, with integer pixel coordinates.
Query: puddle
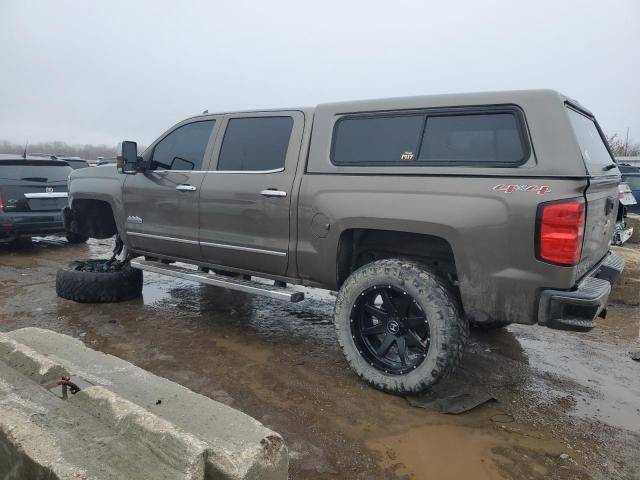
(558, 392)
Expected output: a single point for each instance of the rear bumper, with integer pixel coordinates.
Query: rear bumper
(577, 309)
(13, 225)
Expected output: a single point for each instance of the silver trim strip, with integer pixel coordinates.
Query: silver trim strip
(243, 249)
(160, 237)
(209, 244)
(234, 172)
(47, 195)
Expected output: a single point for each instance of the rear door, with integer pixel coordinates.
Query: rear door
(161, 203)
(245, 203)
(602, 191)
(33, 185)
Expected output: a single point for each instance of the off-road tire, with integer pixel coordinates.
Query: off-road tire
(449, 329)
(75, 238)
(98, 287)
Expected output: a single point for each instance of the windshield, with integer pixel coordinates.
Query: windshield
(35, 171)
(594, 150)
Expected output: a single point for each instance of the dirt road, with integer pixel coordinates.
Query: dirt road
(568, 404)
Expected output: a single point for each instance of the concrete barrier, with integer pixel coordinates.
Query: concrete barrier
(627, 289)
(124, 423)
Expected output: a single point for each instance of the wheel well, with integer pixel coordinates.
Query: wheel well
(93, 218)
(358, 247)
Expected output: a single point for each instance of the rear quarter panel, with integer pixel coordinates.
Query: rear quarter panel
(492, 233)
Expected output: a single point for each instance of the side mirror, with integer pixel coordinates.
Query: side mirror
(127, 159)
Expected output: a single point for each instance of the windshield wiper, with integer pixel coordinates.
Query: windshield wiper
(609, 167)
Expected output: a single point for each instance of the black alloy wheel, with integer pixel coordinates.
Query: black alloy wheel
(390, 329)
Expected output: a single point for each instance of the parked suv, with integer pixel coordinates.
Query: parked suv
(425, 213)
(33, 190)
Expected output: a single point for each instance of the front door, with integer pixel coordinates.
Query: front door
(245, 202)
(161, 203)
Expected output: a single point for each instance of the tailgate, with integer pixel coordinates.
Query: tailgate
(602, 209)
(34, 196)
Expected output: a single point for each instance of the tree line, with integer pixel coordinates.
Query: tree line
(620, 147)
(62, 149)
(623, 147)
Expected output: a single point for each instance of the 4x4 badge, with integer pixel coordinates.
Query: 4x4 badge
(134, 219)
(539, 189)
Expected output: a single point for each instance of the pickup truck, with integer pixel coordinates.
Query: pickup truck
(426, 214)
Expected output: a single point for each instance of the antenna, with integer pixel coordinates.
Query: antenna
(205, 112)
(24, 154)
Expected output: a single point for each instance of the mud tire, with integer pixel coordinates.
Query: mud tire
(98, 287)
(449, 329)
(75, 238)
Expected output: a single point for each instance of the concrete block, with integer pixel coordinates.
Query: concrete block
(633, 220)
(627, 289)
(169, 430)
(29, 362)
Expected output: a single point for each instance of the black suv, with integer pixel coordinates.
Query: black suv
(33, 192)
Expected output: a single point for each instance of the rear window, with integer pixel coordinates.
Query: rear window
(431, 139)
(37, 171)
(592, 145)
(255, 144)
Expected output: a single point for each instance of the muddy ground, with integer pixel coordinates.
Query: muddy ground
(568, 403)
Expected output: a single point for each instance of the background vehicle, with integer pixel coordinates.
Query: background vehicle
(106, 161)
(631, 176)
(33, 191)
(426, 213)
(75, 162)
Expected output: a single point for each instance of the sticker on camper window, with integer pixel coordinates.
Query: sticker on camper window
(407, 156)
(539, 189)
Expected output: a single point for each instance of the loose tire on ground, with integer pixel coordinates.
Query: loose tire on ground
(431, 297)
(81, 286)
(76, 238)
(493, 325)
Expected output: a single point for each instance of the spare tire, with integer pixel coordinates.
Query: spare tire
(88, 281)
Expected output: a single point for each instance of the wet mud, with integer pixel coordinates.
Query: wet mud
(568, 403)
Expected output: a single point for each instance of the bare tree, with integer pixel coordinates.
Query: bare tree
(623, 147)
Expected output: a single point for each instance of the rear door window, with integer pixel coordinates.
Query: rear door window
(594, 150)
(184, 148)
(255, 144)
(439, 138)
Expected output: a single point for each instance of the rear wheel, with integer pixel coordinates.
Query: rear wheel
(399, 326)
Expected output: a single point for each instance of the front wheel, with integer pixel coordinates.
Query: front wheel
(399, 326)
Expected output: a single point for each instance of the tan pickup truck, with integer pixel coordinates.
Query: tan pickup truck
(427, 214)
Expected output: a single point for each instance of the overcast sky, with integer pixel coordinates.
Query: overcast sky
(102, 71)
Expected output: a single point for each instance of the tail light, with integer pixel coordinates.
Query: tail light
(560, 229)
(1, 202)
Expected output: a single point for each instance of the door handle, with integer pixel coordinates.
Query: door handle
(186, 188)
(270, 192)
